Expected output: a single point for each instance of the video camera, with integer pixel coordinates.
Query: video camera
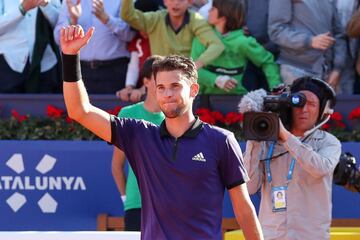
(346, 174)
(264, 125)
(262, 110)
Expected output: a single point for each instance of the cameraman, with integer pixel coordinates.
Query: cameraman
(301, 167)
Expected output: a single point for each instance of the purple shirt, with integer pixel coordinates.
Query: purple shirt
(181, 181)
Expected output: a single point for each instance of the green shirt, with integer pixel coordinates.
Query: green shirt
(233, 60)
(137, 111)
(163, 39)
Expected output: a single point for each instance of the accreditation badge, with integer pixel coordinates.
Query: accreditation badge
(278, 196)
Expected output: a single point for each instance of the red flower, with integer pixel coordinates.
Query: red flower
(326, 126)
(218, 116)
(335, 122)
(54, 112)
(115, 111)
(18, 117)
(208, 119)
(233, 117)
(340, 124)
(202, 111)
(354, 114)
(336, 116)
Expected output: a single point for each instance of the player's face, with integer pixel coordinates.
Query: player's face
(305, 118)
(174, 93)
(177, 8)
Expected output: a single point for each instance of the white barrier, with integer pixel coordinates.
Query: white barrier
(70, 235)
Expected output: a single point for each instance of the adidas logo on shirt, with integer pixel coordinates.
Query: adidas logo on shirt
(199, 157)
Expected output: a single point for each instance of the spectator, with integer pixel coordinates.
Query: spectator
(353, 27)
(104, 61)
(139, 49)
(345, 9)
(29, 56)
(310, 39)
(353, 31)
(257, 13)
(224, 75)
(183, 166)
(300, 165)
(175, 27)
(256, 26)
(150, 111)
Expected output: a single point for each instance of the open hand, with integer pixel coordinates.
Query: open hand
(72, 39)
(99, 11)
(74, 10)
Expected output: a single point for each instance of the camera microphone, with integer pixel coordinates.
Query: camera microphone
(252, 101)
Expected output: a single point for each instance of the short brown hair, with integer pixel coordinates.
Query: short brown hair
(146, 69)
(233, 11)
(177, 62)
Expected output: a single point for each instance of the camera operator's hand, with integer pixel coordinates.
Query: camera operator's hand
(225, 82)
(73, 38)
(283, 132)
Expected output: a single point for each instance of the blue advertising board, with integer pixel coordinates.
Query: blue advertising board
(64, 185)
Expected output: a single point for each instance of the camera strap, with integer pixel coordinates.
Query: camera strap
(267, 165)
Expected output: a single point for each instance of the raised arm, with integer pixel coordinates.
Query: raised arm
(72, 39)
(137, 19)
(10, 17)
(317, 162)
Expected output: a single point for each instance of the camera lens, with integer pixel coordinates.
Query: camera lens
(262, 126)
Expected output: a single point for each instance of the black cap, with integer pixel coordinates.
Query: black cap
(320, 88)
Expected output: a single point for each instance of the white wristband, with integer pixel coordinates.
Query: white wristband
(221, 81)
(123, 198)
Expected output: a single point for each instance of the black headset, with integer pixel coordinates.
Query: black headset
(327, 96)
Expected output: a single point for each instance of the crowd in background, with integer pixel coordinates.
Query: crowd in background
(264, 43)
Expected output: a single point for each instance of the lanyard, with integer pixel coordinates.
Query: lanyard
(267, 165)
